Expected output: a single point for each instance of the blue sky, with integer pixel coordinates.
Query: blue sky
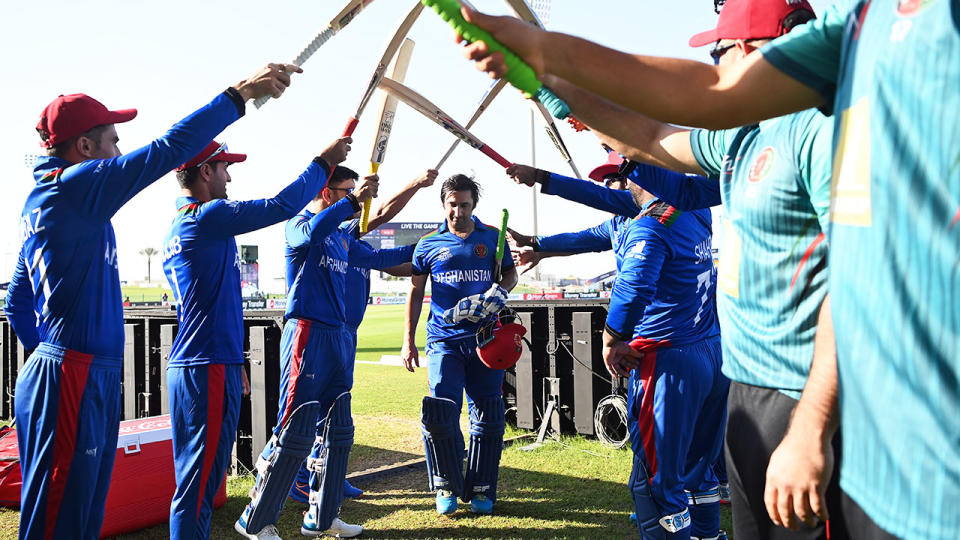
(168, 58)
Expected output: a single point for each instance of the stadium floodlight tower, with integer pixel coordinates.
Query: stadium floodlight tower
(542, 10)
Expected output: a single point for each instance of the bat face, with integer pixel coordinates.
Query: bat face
(452, 126)
(383, 136)
(345, 18)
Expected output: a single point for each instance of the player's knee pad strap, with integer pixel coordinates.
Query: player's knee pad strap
(486, 445)
(277, 469)
(443, 443)
(709, 496)
(651, 522)
(329, 461)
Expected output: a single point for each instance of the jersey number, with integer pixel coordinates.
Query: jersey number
(703, 280)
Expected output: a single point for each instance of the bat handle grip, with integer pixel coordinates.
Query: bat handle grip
(365, 213)
(260, 101)
(496, 157)
(351, 125)
(519, 73)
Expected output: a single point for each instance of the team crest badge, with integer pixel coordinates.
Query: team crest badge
(909, 8)
(480, 250)
(761, 167)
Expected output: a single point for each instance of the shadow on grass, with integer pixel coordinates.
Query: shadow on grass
(364, 457)
(531, 504)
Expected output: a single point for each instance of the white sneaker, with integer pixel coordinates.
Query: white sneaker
(267, 533)
(338, 529)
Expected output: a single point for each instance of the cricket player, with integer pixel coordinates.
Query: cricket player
(205, 368)
(773, 277)
(64, 298)
(664, 297)
(459, 260)
(358, 285)
(891, 144)
(316, 356)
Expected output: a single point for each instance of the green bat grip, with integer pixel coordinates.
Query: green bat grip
(502, 237)
(519, 73)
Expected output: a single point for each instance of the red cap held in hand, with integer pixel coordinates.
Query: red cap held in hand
(68, 116)
(751, 19)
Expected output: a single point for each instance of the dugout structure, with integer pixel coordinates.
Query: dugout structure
(562, 366)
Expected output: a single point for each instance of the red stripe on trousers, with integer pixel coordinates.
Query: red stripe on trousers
(300, 337)
(74, 369)
(216, 394)
(647, 422)
(806, 255)
(647, 367)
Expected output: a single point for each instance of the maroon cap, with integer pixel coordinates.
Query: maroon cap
(68, 116)
(612, 166)
(750, 19)
(211, 153)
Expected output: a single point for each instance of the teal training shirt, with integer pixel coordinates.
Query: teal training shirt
(891, 72)
(775, 189)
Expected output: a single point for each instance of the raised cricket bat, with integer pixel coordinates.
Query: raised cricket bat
(501, 245)
(524, 12)
(378, 72)
(484, 103)
(431, 111)
(342, 19)
(388, 109)
(519, 73)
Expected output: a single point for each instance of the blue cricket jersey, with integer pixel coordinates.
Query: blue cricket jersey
(592, 194)
(319, 253)
(681, 191)
(202, 265)
(358, 277)
(66, 288)
(665, 287)
(890, 71)
(458, 267)
(606, 235)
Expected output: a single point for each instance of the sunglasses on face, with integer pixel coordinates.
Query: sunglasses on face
(718, 51)
(347, 189)
(223, 148)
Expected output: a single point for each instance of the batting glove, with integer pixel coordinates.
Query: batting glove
(493, 300)
(467, 309)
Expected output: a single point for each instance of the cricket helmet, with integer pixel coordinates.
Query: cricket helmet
(500, 340)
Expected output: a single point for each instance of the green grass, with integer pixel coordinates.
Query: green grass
(382, 332)
(145, 294)
(572, 487)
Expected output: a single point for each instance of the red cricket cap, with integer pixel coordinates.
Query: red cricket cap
(68, 116)
(612, 166)
(211, 153)
(750, 19)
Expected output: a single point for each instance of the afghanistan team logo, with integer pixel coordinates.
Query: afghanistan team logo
(480, 250)
(761, 167)
(909, 8)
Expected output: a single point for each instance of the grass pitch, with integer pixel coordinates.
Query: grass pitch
(571, 487)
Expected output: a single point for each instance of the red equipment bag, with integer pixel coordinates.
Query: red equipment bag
(142, 483)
